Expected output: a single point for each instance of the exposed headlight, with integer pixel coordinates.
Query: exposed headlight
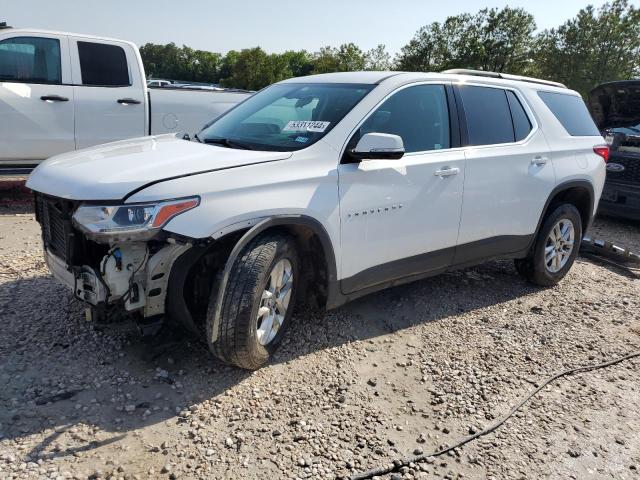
(129, 222)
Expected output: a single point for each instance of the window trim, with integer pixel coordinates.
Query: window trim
(455, 129)
(60, 50)
(126, 59)
(463, 119)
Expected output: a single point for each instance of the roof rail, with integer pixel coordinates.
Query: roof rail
(505, 76)
(4, 25)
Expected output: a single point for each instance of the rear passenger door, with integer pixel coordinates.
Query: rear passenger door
(509, 175)
(109, 96)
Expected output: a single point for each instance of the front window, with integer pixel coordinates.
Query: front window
(30, 60)
(285, 117)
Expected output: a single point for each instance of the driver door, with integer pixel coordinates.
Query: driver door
(401, 217)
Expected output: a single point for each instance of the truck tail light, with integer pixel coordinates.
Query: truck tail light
(602, 151)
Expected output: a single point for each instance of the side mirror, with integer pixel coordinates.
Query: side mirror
(378, 146)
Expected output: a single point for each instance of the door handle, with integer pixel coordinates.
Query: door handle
(54, 98)
(446, 172)
(128, 101)
(539, 161)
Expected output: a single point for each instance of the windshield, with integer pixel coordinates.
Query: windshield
(285, 117)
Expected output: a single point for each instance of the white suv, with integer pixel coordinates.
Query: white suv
(323, 189)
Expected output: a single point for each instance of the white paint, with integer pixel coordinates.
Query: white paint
(495, 191)
(33, 129)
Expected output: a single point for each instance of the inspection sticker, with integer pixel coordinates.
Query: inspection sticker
(305, 125)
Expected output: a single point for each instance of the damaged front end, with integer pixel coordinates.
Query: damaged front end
(116, 259)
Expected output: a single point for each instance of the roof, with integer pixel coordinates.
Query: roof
(343, 77)
(400, 78)
(37, 31)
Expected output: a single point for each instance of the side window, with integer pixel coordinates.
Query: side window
(571, 112)
(30, 60)
(521, 122)
(103, 65)
(488, 115)
(418, 114)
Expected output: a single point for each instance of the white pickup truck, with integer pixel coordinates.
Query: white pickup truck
(61, 92)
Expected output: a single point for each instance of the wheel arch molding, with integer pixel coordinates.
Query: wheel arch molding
(567, 191)
(294, 224)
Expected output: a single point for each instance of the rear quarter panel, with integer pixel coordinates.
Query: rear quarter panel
(572, 156)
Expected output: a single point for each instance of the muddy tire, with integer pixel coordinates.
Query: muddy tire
(555, 249)
(257, 303)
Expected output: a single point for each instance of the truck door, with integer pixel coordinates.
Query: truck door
(110, 98)
(36, 100)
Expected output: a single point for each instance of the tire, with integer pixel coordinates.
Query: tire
(245, 339)
(541, 266)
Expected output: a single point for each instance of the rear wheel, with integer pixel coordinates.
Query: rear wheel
(555, 249)
(258, 301)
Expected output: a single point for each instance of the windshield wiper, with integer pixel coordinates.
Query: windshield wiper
(225, 142)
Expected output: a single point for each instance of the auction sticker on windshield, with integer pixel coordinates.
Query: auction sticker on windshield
(305, 125)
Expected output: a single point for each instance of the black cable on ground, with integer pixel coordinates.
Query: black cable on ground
(398, 464)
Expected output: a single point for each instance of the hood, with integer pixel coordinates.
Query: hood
(615, 104)
(111, 171)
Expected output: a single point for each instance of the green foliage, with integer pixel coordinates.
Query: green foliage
(183, 63)
(494, 40)
(593, 47)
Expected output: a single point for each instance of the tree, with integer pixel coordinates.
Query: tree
(346, 58)
(170, 61)
(592, 48)
(300, 63)
(377, 59)
(495, 40)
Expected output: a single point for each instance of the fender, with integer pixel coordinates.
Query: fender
(558, 189)
(274, 221)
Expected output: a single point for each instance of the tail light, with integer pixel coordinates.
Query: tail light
(602, 151)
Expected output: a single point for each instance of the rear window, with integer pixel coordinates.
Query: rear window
(488, 115)
(571, 112)
(103, 65)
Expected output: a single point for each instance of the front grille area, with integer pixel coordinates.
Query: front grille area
(59, 235)
(54, 216)
(631, 172)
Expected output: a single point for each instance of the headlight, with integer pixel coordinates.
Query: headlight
(129, 222)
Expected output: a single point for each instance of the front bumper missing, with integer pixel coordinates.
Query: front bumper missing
(93, 288)
(85, 283)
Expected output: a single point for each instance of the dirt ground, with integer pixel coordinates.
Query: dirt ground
(396, 373)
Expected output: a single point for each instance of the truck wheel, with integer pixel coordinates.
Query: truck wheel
(555, 249)
(258, 302)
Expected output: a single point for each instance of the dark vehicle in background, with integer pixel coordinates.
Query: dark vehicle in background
(615, 108)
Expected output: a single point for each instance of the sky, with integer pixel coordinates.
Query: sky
(274, 25)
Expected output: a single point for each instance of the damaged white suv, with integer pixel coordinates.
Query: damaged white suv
(322, 189)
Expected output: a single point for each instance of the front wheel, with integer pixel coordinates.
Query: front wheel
(258, 301)
(555, 249)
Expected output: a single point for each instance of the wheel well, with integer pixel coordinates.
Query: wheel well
(578, 196)
(198, 276)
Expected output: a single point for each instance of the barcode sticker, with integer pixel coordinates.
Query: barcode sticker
(305, 126)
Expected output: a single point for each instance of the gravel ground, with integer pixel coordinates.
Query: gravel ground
(393, 374)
